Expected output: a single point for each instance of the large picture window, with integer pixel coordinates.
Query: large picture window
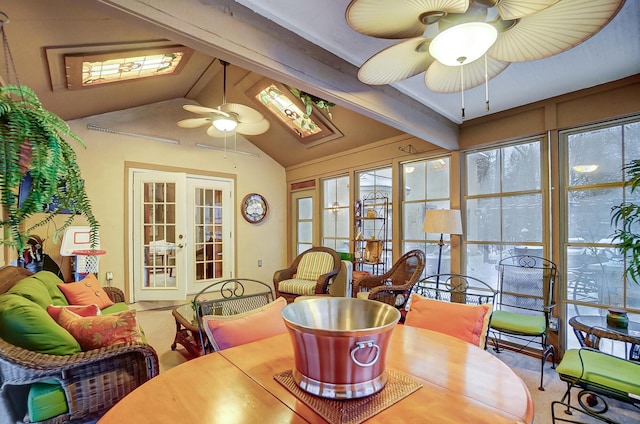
(426, 186)
(335, 213)
(505, 206)
(593, 183)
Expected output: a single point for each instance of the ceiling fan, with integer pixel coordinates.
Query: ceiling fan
(227, 117)
(464, 43)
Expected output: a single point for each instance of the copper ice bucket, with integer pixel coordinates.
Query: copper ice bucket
(340, 345)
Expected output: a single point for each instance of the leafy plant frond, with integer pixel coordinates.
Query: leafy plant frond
(625, 217)
(309, 100)
(36, 140)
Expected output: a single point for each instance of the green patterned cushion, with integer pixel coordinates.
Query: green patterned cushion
(313, 265)
(297, 286)
(518, 323)
(601, 369)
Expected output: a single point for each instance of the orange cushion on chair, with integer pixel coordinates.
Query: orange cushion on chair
(233, 330)
(87, 291)
(102, 330)
(466, 322)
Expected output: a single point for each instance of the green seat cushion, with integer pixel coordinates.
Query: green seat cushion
(33, 289)
(601, 369)
(51, 281)
(297, 286)
(116, 308)
(25, 324)
(46, 400)
(518, 323)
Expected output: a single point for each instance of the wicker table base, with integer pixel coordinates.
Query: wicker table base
(353, 411)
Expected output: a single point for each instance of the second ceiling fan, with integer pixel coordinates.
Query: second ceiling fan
(227, 117)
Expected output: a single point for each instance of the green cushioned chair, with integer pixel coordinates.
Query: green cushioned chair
(598, 375)
(524, 304)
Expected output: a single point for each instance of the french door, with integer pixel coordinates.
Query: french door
(182, 233)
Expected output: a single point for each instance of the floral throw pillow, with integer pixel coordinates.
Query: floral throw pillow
(102, 330)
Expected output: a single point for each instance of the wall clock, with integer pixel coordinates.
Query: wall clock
(254, 208)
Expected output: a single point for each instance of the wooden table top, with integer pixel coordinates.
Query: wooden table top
(461, 383)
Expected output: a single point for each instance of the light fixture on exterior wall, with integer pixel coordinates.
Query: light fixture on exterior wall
(409, 169)
(585, 169)
(335, 207)
(443, 221)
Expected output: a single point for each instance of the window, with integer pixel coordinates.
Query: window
(426, 186)
(377, 184)
(593, 158)
(505, 206)
(335, 213)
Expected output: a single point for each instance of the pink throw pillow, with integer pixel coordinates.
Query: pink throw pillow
(466, 322)
(87, 291)
(82, 310)
(233, 330)
(102, 330)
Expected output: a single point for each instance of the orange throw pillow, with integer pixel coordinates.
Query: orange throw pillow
(82, 310)
(102, 330)
(87, 291)
(466, 322)
(233, 330)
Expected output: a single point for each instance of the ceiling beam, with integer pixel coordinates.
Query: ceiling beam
(225, 29)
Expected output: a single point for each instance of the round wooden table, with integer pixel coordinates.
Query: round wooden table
(460, 383)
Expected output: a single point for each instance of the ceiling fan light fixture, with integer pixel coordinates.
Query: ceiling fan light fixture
(463, 44)
(225, 124)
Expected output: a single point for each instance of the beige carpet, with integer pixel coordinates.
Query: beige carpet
(159, 328)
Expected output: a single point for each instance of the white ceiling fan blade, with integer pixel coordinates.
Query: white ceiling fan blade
(252, 128)
(243, 113)
(446, 79)
(392, 19)
(202, 110)
(515, 9)
(397, 63)
(216, 133)
(553, 30)
(194, 122)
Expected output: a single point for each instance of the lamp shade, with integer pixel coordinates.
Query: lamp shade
(225, 124)
(443, 221)
(464, 43)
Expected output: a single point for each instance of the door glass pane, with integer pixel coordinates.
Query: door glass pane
(208, 234)
(159, 235)
(305, 208)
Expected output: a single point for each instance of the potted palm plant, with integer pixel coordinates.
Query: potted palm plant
(625, 218)
(35, 145)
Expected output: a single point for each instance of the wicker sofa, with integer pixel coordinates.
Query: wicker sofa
(88, 382)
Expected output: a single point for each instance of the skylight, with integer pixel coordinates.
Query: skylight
(288, 112)
(88, 70)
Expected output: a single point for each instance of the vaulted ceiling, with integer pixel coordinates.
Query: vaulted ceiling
(302, 43)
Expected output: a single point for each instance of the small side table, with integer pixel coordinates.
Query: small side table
(589, 329)
(187, 332)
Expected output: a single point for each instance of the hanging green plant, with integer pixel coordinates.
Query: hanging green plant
(309, 100)
(626, 218)
(34, 141)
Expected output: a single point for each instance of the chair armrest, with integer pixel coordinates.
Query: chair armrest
(367, 282)
(115, 294)
(283, 274)
(92, 381)
(389, 294)
(323, 281)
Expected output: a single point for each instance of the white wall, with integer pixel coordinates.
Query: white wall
(102, 165)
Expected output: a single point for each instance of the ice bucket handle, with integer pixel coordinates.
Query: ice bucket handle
(363, 345)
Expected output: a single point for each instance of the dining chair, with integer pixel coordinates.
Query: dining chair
(461, 306)
(524, 304)
(223, 308)
(309, 274)
(394, 286)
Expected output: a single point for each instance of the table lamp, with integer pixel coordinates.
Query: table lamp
(442, 221)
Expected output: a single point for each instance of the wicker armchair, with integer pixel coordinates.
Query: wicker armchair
(394, 286)
(294, 286)
(92, 381)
